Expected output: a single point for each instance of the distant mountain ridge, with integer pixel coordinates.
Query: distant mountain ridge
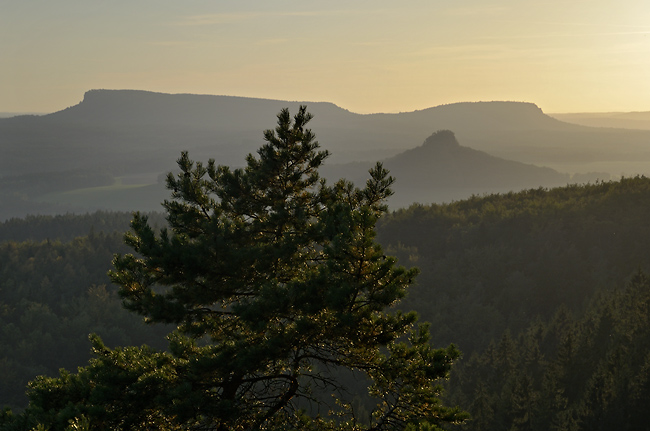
(621, 120)
(144, 107)
(227, 128)
(135, 137)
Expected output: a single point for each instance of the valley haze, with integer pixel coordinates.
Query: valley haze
(111, 150)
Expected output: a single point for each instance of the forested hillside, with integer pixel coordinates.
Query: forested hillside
(500, 261)
(542, 292)
(66, 227)
(532, 286)
(54, 293)
(585, 372)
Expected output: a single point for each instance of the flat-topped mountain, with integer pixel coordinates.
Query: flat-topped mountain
(149, 129)
(143, 107)
(130, 131)
(134, 107)
(111, 149)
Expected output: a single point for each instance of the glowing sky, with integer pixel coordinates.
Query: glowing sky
(365, 56)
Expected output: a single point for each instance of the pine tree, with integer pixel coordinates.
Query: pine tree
(281, 298)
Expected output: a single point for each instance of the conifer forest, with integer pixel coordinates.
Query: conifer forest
(268, 297)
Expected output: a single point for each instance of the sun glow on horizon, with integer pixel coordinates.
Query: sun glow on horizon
(586, 56)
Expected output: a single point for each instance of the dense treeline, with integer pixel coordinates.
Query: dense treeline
(588, 373)
(52, 295)
(530, 285)
(498, 262)
(66, 227)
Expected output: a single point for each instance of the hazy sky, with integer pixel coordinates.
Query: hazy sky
(365, 56)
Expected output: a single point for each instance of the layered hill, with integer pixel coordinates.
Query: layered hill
(110, 150)
(620, 120)
(442, 170)
(142, 131)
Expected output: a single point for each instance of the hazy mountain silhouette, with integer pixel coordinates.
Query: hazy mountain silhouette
(441, 170)
(135, 131)
(620, 120)
(135, 136)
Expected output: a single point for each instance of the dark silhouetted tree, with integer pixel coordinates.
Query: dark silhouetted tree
(281, 299)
